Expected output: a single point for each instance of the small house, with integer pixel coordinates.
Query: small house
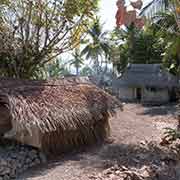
(55, 115)
(146, 83)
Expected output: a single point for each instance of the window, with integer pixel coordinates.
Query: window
(152, 89)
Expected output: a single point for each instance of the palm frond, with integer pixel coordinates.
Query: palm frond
(85, 50)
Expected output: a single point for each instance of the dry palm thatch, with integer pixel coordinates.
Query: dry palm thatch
(55, 115)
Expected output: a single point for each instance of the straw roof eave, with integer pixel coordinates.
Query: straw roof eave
(66, 105)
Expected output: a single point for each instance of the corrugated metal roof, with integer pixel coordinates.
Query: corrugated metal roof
(138, 75)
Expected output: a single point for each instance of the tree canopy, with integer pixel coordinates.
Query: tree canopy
(137, 46)
(168, 29)
(33, 33)
(98, 46)
(77, 60)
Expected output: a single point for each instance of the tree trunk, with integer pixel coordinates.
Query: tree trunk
(77, 71)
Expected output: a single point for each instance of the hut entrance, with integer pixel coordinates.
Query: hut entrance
(138, 94)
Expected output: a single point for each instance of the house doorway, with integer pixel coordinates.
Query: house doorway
(138, 94)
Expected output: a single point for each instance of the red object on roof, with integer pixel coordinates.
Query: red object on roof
(124, 17)
(120, 16)
(139, 22)
(137, 4)
(130, 17)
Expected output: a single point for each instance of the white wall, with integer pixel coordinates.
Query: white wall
(129, 94)
(126, 93)
(161, 95)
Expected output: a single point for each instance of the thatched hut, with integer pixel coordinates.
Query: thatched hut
(54, 115)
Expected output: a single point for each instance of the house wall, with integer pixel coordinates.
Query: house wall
(24, 137)
(160, 95)
(126, 93)
(147, 96)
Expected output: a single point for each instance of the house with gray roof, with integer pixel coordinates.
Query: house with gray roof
(146, 83)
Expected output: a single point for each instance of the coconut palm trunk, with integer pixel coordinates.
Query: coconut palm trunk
(77, 70)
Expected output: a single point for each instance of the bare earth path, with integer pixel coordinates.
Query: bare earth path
(130, 128)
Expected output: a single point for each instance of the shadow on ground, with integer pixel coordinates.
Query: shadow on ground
(131, 156)
(170, 109)
(129, 129)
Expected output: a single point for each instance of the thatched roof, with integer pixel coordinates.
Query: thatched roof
(140, 75)
(68, 103)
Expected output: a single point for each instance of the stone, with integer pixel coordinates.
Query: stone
(143, 143)
(177, 170)
(124, 168)
(93, 177)
(1, 169)
(145, 171)
(22, 153)
(112, 176)
(20, 170)
(3, 162)
(117, 172)
(115, 167)
(15, 159)
(142, 156)
(145, 174)
(42, 157)
(25, 167)
(37, 161)
(5, 171)
(14, 156)
(136, 160)
(6, 177)
(13, 173)
(107, 171)
(32, 154)
(19, 165)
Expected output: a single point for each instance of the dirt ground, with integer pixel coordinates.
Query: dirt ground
(131, 129)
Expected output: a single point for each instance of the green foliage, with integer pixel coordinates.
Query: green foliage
(171, 134)
(169, 31)
(97, 46)
(171, 58)
(54, 69)
(146, 48)
(138, 46)
(77, 60)
(86, 71)
(33, 33)
(57, 69)
(76, 8)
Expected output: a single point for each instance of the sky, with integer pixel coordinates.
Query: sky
(108, 10)
(107, 13)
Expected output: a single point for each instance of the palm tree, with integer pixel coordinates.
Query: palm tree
(169, 31)
(77, 60)
(86, 71)
(137, 46)
(56, 69)
(98, 47)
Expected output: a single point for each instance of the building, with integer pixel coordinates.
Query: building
(146, 83)
(55, 115)
(154, 7)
